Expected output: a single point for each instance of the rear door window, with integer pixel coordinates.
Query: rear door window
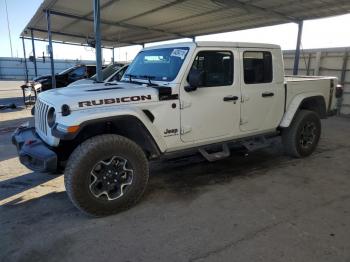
(257, 67)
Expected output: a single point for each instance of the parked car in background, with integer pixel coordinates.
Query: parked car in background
(113, 72)
(64, 78)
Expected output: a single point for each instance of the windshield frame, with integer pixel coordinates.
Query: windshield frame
(147, 77)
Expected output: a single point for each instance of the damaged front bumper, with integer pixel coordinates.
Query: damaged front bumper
(32, 151)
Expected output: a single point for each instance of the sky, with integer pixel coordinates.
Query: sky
(320, 33)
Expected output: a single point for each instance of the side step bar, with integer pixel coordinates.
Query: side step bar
(250, 145)
(211, 157)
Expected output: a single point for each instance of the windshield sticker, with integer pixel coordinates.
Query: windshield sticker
(179, 53)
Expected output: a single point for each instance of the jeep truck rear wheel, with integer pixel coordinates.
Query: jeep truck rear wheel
(106, 174)
(301, 137)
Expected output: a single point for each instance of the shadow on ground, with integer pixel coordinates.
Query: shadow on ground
(16, 185)
(176, 180)
(18, 101)
(11, 125)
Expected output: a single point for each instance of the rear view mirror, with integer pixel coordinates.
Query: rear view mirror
(195, 79)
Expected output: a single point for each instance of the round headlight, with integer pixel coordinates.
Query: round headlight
(51, 117)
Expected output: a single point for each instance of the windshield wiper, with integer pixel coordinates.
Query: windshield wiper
(132, 81)
(111, 84)
(130, 77)
(149, 80)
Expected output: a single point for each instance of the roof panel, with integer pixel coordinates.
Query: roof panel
(126, 22)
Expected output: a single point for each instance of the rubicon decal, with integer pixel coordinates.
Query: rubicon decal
(108, 101)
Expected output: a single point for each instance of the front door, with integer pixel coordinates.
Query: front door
(212, 111)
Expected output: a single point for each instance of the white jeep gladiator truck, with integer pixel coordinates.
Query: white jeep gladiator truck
(173, 100)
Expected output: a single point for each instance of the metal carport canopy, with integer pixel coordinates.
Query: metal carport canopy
(130, 22)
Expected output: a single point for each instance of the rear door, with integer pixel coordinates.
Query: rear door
(211, 111)
(262, 92)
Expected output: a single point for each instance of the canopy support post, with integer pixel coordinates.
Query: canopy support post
(97, 31)
(48, 19)
(34, 56)
(113, 55)
(25, 59)
(297, 50)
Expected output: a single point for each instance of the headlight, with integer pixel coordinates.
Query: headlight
(37, 85)
(51, 117)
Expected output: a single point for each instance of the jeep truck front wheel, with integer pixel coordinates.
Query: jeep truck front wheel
(300, 139)
(106, 174)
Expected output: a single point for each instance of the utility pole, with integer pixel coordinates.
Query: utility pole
(8, 27)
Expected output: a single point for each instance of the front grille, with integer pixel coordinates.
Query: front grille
(41, 110)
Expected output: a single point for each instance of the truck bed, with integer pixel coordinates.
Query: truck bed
(298, 86)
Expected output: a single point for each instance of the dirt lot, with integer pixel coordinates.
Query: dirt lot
(260, 207)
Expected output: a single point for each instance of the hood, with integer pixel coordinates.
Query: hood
(86, 81)
(100, 95)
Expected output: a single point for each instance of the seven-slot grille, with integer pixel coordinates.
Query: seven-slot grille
(41, 110)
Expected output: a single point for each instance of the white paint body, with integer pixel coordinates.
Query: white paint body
(200, 116)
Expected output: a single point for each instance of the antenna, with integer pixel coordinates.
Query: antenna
(8, 27)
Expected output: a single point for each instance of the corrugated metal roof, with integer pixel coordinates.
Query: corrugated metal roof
(129, 22)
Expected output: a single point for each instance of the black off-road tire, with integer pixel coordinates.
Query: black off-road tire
(292, 136)
(77, 176)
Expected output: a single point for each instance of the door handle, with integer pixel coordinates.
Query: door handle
(267, 94)
(230, 98)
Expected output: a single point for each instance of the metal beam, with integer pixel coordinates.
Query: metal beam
(119, 24)
(34, 56)
(297, 50)
(25, 59)
(70, 35)
(56, 42)
(97, 31)
(48, 19)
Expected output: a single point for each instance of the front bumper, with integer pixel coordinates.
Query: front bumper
(32, 151)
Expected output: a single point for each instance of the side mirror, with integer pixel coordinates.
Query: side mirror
(195, 79)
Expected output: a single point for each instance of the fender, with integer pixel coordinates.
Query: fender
(295, 104)
(86, 117)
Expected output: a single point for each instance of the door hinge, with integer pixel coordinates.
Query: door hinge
(185, 130)
(184, 104)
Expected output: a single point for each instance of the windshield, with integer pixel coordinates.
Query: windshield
(107, 72)
(157, 64)
(67, 70)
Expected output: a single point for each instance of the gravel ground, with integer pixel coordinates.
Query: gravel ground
(260, 207)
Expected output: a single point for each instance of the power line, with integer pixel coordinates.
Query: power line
(8, 27)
